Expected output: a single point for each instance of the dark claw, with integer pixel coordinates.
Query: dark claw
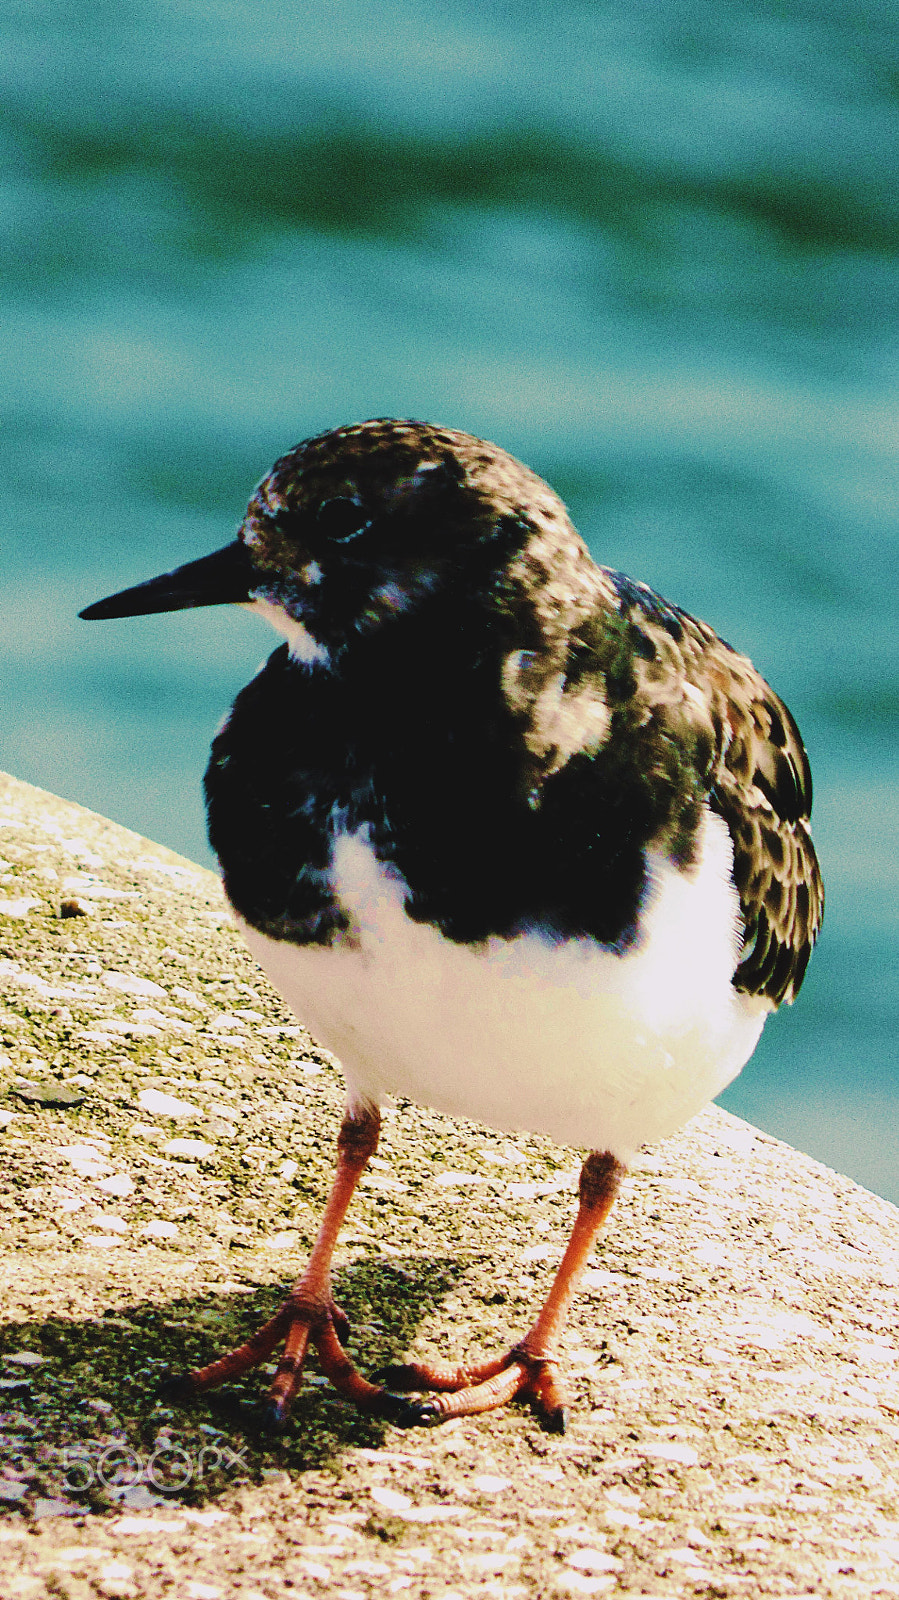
(556, 1421)
(274, 1418)
(341, 1323)
(404, 1413)
(396, 1376)
(177, 1386)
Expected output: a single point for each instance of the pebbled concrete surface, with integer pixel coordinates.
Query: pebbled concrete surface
(166, 1143)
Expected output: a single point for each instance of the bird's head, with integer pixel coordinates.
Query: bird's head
(357, 527)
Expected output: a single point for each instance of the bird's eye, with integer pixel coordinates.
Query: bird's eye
(341, 520)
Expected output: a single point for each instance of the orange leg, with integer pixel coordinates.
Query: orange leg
(309, 1315)
(530, 1370)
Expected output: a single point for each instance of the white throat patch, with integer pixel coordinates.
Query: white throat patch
(303, 647)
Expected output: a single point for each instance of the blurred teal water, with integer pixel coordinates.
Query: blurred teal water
(654, 251)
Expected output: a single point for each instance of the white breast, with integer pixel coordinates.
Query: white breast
(566, 1039)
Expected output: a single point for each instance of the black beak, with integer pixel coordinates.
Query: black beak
(227, 577)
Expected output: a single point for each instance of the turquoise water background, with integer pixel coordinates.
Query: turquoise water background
(653, 250)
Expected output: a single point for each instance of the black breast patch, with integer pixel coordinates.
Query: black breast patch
(433, 763)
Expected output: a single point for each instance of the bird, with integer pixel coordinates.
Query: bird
(515, 838)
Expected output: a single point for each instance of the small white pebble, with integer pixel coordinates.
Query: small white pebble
(506, 1156)
(89, 1169)
(119, 1184)
(440, 1513)
(712, 1255)
(486, 1483)
(188, 997)
(45, 1507)
(287, 1169)
(166, 1105)
(599, 1278)
(93, 889)
(85, 1158)
(314, 1569)
(82, 1152)
(390, 1500)
(589, 1560)
(223, 1130)
(622, 1519)
(191, 1149)
(27, 1358)
(110, 1224)
(535, 1252)
(160, 1230)
(81, 851)
(681, 1454)
(226, 1023)
(490, 1561)
(127, 983)
(863, 1352)
(531, 1191)
(19, 907)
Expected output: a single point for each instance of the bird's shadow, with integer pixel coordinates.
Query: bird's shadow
(92, 1424)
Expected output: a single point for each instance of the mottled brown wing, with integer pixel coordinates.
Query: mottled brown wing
(762, 787)
(617, 672)
(746, 754)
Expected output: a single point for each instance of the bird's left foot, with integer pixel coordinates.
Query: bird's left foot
(443, 1391)
(303, 1320)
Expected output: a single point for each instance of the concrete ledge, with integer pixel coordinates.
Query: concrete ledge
(166, 1140)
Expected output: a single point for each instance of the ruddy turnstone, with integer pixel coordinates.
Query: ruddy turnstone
(514, 836)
